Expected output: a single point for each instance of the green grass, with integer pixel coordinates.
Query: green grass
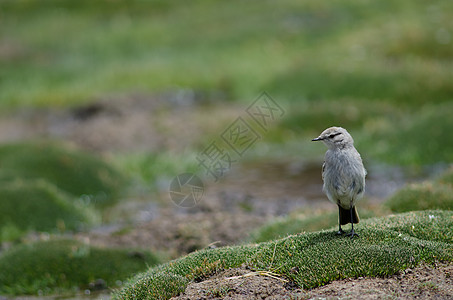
(419, 139)
(422, 196)
(39, 205)
(65, 266)
(367, 66)
(73, 171)
(386, 245)
(298, 50)
(436, 194)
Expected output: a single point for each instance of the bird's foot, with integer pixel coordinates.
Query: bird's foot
(340, 232)
(352, 234)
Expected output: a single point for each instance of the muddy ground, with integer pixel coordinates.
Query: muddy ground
(251, 194)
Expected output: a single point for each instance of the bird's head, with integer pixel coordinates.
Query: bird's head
(335, 137)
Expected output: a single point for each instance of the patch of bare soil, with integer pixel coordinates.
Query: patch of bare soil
(122, 123)
(181, 234)
(239, 283)
(422, 282)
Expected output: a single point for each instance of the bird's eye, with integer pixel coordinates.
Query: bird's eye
(334, 135)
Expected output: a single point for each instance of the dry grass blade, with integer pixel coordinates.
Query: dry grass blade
(259, 273)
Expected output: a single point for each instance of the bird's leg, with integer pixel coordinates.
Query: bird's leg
(340, 231)
(352, 233)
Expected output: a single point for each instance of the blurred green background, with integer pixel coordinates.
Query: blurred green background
(381, 69)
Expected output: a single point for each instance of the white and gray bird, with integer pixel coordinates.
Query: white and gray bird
(343, 175)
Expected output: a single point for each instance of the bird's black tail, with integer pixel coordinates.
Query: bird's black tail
(345, 216)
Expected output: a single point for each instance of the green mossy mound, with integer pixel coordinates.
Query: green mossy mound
(75, 172)
(386, 246)
(437, 194)
(49, 187)
(39, 205)
(422, 196)
(60, 266)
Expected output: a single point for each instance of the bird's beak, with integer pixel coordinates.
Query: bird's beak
(317, 139)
